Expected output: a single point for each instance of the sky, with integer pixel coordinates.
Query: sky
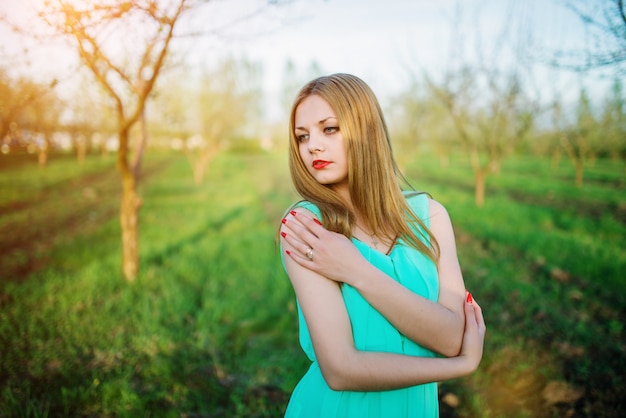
(387, 42)
(383, 42)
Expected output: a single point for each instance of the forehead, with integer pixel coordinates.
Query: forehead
(313, 110)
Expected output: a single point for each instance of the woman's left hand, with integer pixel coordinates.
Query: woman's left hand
(328, 253)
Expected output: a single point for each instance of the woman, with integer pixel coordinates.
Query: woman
(382, 305)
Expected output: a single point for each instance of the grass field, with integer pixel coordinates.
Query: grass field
(209, 327)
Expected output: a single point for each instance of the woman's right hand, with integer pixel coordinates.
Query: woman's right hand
(474, 335)
(332, 255)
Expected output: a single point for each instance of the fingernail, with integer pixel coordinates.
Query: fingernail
(288, 252)
(469, 298)
(317, 222)
(284, 220)
(282, 234)
(293, 212)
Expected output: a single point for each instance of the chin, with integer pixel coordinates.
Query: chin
(326, 181)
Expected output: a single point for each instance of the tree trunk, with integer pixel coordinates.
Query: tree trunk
(579, 167)
(129, 210)
(81, 149)
(42, 156)
(474, 159)
(202, 163)
(103, 148)
(444, 160)
(141, 145)
(480, 177)
(129, 221)
(198, 173)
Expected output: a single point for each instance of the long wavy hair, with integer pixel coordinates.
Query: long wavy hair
(373, 175)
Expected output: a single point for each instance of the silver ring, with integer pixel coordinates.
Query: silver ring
(309, 253)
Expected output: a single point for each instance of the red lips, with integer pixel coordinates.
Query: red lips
(319, 164)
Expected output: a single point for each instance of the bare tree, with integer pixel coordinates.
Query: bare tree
(204, 113)
(605, 44)
(226, 97)
(90, 27)
(124, 45)
(613, 122)
(420, 120)
(582, 138)
(42, 119)
(491, 104)
(20, 98)
(490, 118)
(87, 117)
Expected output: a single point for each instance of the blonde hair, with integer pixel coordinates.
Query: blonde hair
(373, 175)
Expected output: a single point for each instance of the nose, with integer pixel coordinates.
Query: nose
(315, 142)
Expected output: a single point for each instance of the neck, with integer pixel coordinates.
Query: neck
(361, 224)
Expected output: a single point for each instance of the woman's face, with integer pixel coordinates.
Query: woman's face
(320, 142)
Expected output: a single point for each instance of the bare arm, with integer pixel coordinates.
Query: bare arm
(346, 368)
(437, 326)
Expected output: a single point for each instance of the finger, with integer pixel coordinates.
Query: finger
(300, 223)
(470, 317)
(296, 246)
(290, 236)
(297, 256)
(308, 221)
(297, 225)
(477, 314)
(480, 319)
(300, 258)
(293, 246)
(471, 327)
(292, 243)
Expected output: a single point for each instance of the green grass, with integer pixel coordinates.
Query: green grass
(187, 337)
(546, 259)
(209, 327)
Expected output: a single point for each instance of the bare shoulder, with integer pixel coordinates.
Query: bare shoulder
(438, 213)
(441, 227)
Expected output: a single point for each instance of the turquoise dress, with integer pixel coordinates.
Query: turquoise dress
(313, 398)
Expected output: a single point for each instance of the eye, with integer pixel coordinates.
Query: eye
(331, 130)
(302, 137)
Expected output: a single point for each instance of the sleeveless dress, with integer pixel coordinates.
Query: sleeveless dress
(313, 398)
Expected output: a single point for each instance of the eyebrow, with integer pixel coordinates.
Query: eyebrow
(319, 123)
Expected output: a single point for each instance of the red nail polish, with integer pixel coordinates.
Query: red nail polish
(288, 252)
(282, 234)
(293, 212)
(284, 221)
(469, 298)
(316, 221)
